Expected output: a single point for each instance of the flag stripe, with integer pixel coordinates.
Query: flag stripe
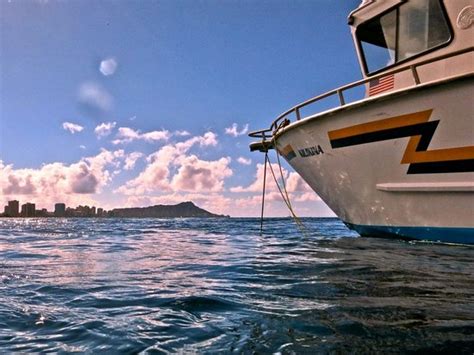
(380, 85)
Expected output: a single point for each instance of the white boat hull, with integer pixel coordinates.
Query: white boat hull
(398, 165)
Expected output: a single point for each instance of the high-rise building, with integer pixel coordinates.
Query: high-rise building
(28, 210)
(13, 208)
(41, 213)
(59, 210)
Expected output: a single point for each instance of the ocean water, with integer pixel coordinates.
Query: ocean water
(218, 286)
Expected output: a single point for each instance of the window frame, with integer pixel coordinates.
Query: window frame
(397, 9)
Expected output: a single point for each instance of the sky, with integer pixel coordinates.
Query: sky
(137, 103)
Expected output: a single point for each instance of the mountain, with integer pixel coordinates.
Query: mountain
(184, 209)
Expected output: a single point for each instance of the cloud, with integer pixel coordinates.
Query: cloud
(257, 185)
(108, 66)
(244, 161)
(72, 127)
(82, 146)
(58, 182)
(94, 96)
(195, 174)
(297, 188)
(208, 139)
(234, 132)
(131, 159)
(171, 168)
(127, 135)
(155, 136)
(83, 180)
(182, 133)
(173, 174)
(104, 129)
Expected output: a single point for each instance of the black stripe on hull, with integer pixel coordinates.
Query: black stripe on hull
(425, 129)
(426, 132)
(452, 166)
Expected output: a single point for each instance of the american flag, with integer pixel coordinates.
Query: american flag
(376, 86)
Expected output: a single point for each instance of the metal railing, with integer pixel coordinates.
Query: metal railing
(340, 91)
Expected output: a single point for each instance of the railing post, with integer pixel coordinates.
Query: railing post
(297, 111)
(415, 74)
(341, 97)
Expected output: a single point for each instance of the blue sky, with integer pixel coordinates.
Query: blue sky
(96, 95)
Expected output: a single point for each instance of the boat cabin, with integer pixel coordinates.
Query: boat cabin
(400, 44)
(391, 34)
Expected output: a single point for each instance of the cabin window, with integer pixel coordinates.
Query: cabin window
(404, 32)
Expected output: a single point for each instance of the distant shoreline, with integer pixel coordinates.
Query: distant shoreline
(181, 210)
(211, 217)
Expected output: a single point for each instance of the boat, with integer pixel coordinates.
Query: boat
(398, 161)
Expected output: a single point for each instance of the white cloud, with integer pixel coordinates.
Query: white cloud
(173, 175)
(155, 136)
(244, 161)
(197, 175)
(127, 135)
(208, 139)
(82, 146)
(104, 129)
(182, 133)
(297, 188)
(72, 127)
(256, 186)
(108, 66)
(131, 159)
(234, 131)
(95, 96)
(57, 182)
(172, 169)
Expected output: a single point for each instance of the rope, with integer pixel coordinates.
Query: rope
(263, 192)
(284, 193)
(280, 190)
(287, 201)
(283, 179)
(283, 124)
(286, 198)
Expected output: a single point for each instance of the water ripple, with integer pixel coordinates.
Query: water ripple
(218, 286)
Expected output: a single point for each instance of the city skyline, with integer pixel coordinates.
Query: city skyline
(180, 210)
(136, 104)
(28, 209)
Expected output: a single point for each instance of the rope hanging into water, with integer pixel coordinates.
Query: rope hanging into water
(263, 192)
(283, 193)
(284, 184)
(286, 198)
